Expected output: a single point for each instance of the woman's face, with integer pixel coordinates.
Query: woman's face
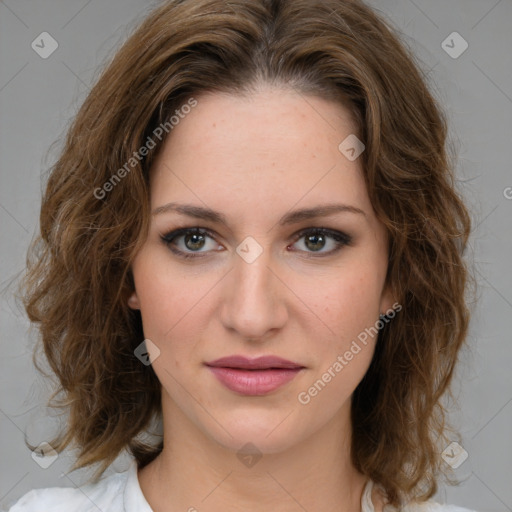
(257, 176)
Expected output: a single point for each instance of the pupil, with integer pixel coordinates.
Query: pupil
(315, 239)
(197, 241)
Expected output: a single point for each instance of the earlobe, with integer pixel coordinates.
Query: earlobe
(387, 302)
(133, 301)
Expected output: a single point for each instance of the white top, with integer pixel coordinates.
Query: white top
(121, 492)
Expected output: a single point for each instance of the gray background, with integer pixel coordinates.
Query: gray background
(39, 96)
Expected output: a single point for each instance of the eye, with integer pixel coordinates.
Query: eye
(188, 242)
(321, 241)
(198, 242)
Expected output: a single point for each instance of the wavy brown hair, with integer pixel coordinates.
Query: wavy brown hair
(79, 275)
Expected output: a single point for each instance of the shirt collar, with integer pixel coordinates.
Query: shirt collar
(133, 498)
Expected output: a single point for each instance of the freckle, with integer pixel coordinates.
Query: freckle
(214, 125)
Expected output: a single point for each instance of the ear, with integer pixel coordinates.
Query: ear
(133, 301)
(387, 300)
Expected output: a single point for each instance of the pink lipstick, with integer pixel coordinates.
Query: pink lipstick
(254, 377)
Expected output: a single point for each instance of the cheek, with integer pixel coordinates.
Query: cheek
(350, 308)
(172, 301)
(347, 302)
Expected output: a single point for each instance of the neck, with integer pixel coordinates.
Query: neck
(196, 473)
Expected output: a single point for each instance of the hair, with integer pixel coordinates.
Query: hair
(78, 270)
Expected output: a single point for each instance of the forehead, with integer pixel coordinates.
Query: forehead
(274, 148)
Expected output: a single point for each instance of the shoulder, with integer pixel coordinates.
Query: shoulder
(412, 506)
(431, 506)
(106, 494)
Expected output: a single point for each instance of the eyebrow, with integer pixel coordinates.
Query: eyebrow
(293, 217)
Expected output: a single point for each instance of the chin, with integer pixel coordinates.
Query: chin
(266, 430)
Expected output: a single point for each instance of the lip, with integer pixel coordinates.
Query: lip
(258, 363)
(254, 377)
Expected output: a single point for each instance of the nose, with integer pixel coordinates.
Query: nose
(254, 299)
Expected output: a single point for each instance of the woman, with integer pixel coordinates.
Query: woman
(252, 236)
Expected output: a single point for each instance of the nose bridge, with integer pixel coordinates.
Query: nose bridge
(254, 304)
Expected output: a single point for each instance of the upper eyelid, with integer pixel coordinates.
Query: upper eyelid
(327, 231)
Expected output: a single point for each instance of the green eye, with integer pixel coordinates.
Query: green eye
(187, 241)
(197, 242)
(317, 239)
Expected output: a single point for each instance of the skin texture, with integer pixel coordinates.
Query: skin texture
(255, 159)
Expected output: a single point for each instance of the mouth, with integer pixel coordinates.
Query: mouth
(254, 377)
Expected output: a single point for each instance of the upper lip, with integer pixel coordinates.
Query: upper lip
(258, 363)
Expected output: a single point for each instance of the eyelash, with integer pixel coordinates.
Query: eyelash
(341, 239)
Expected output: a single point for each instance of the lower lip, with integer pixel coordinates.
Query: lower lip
(254, 382)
